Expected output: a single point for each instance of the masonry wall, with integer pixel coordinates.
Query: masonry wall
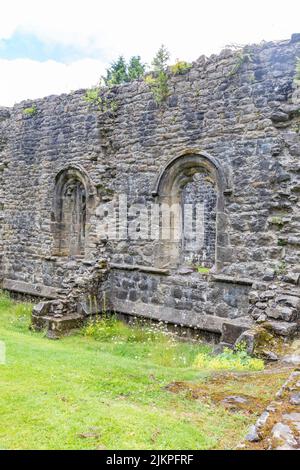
(242, 110)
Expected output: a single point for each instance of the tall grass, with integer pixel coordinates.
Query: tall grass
(155, 343)
(109, 328)
(139, 340)
(16, 314)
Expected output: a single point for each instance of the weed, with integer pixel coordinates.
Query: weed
(277, 221)
(202, 269)
(103, 104)
(180, 67)
(243, 57)
(281, 268)
(31, 111)
(237, 360)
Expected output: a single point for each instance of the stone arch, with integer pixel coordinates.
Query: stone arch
(200, 173)
(74, 198)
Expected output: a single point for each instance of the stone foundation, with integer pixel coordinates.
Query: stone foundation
(278, 428)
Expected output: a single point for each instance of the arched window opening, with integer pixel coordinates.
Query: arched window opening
(73, 218)
(195, 184)
(199, 202)
(71, 213)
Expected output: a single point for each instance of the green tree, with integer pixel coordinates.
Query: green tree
(158, 81)
(121, 72)
(116, 73)
(136, 69)
(160, 61)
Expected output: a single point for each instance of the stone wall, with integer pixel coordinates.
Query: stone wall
(4, 119)
(233, 119)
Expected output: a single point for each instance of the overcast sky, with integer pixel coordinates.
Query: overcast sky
(55, 46)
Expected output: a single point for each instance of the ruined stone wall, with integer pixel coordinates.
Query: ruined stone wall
(4, 120)
(238, 110)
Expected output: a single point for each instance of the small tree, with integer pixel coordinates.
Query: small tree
(121, 72)
(158, 82)
(116, 73)
(160, 61)
(135, 69)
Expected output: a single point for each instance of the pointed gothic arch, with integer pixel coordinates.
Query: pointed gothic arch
(186, 180)
(73, 200)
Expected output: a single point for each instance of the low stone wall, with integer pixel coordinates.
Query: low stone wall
(278, 428)
(190, 300)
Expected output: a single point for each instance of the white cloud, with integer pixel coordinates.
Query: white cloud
(188, 28)
(131, 27)
(27, 79)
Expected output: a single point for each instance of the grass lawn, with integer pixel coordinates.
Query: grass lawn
(83, 393)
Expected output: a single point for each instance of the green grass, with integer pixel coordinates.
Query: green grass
(109, 392)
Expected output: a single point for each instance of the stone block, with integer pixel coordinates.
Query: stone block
(282, 328)
(247, 338)
(232, 329)
(286, 314)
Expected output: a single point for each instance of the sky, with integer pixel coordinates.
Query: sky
(56, 46)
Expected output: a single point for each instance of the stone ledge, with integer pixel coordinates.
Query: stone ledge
(202, 322)
(37, 290)
(233, 329)
(57, 327)
(140, 268)
(232, 280)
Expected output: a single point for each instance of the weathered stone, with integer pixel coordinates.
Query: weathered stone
(293, 278)
(268, 275)
(266, 295)
(234, 399)
(253, 297)
(262, 420)
(41, 309)
(247, 338)
(232, 330)
(289, 301)
(295, 37)
(282, 432)
(37, 290)
(282, 313)
(295, 399)
(282, 328)
(279, 116)
(293, 359)
(293, 418)
(269, 355)
(262, 318)
(252, 435)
